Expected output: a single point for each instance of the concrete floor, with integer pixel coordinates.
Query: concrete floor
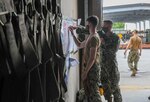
(135, 89)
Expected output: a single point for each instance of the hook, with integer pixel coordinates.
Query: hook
(15, 13)
(1, 23)
(3, 13)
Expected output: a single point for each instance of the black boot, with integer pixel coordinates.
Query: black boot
(149, 97)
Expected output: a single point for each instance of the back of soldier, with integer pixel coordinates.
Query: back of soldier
(135, 45)
(135, 42)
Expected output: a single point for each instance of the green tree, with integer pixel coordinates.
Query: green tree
(118, 25)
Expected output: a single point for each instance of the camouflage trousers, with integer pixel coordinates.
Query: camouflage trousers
(91, 85)
(110, 78)
(133, 59)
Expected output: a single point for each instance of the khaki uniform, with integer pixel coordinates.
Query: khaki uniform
(133, 56)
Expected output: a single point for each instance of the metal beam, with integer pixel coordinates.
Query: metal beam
(129, 7)
(127, 19)
(86, 6)
(126, 13)
(81, 11)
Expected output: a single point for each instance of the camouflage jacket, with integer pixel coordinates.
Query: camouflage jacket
(108, 60)
(110, 45)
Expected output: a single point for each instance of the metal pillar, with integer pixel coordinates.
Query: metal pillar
(81, 11)
(149, 24)
(126, 26)
(86, 6)
(90, 7)
(144, 25)
(136, 25)
(139, 26)
(96, 8)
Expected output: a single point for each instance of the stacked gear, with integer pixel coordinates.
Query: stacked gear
(31, 54)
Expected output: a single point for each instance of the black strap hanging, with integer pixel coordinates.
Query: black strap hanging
(4, 55)
(17, 61)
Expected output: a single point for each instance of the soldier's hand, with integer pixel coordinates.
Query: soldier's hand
(140, 54)
(102, 40)
(74, 27)
(125, 52)
(71, 28)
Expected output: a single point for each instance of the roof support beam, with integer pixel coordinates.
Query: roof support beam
(128, 13)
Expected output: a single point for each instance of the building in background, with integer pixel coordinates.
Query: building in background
(142, 5)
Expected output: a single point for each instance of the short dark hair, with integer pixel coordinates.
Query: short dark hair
(136, 31)
(93, 20)
(108, 22)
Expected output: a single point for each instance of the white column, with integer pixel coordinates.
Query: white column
(139, 26)
(126, 26)
(144, 25)
(136, 25)
(149, 24)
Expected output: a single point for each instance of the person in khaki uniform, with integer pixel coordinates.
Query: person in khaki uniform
(135, 44)
(91, 73)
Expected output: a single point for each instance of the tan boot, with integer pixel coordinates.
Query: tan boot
(134, 72)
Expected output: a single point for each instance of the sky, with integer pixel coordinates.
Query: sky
(123, 2)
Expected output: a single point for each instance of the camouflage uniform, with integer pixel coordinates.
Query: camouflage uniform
(135, 42)
(133, 58)
(91, 83)
(110, 75)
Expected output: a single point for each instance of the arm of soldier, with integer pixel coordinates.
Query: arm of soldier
(114, 44)
(141, 48)
(92, 57)
(101, 34)
(127, 47)
(90, 62)
(77, 42)
(118, 44)
(102, 41)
